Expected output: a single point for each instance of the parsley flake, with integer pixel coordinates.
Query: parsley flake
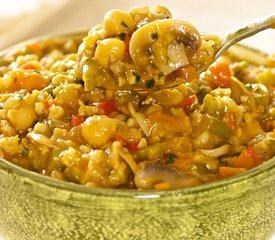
(137, 76)
(122, 36)
(78, 81)
(150, 83)
(154, 36)
(170, 158)
(124, 24)
(160, 75)
(18, 96)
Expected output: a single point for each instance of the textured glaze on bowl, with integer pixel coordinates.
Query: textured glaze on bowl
(33, 206)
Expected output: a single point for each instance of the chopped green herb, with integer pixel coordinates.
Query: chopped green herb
(124, 24)
(137, 76)
(170, 158)
(86, 102)
(49, 89)
(18, 97)
(122, 36)
(37, 72)
(150, 83)
(154, 36)
(148, 52)
(89, 61)
(202, 92)
(79, 81)
(34, 122)
(160, 75)
(219, 128)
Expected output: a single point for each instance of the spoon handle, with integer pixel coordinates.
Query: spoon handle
(230, 38)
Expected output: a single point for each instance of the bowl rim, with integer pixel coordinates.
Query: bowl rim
(35, 177)
(118, 192)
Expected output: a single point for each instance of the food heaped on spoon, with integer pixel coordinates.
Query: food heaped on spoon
(142, 49)
(63, 113)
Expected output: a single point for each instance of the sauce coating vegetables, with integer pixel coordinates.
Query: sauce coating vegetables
(140, 49)
(68, 109)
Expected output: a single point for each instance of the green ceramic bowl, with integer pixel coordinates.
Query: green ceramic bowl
(33, 206)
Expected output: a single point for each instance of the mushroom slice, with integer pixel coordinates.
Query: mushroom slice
(150, 174)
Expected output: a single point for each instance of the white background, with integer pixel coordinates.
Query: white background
(41, 17)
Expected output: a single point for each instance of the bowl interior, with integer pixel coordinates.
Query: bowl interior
(238, 52)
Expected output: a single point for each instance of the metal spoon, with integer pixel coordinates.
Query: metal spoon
(225, 40)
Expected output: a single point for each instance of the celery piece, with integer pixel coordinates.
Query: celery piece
(259, 92)
(219, 128)
(151, 152)
(53, 162)
(267, 77)
(123, 97)
(203, 90)
(94, 75)
(210, 104)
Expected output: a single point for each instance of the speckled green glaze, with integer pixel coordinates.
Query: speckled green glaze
(35, 207)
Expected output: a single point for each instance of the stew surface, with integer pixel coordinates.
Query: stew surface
(69, 108)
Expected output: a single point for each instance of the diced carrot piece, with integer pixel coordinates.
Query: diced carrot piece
(49, 102)
(107, 106)
(28, 66)
(188, 101)
(252, 152)
(76, 120)
(34, 47)
(230, 120)
(119, 138)
(30, 81)
(132, 146)
(167, 121)
(230, 171)
(220, 74)
(247, 159)
(162, 186)
(182, 163)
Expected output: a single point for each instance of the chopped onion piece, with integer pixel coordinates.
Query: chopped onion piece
(216, 152)
(177, 58)
(140, 119)
(41, 139)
